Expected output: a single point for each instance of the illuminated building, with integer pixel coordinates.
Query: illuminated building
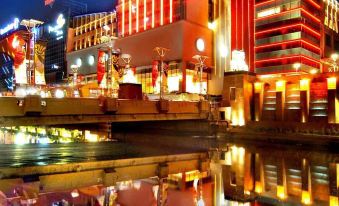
(173, 24)
(287, 32)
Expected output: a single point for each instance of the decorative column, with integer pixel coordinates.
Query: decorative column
(258, 101)
(331, 99)
(281, 180)
(258, 174)
(280, 100)
(304, 99)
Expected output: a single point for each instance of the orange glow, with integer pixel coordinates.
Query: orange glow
(258, 187)
(288, 57)
(280, 86)
(152, 13)
(287, 42)
(161, 12)
(306, 198)
(257, 87)
(314, 4)
(281, 192)
(123, 18)
(171, 11)
(282, 13)
(304, 84)
(331, 83)
(265, 2)
(290, 26)
(137, 18)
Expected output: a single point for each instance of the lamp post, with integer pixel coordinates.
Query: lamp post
(201, 63)
(161, 53)
(31, 25)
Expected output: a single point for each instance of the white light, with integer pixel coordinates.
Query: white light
(223, 50)
(200, 44)
(212, 25)
(106, 28)
(238, 62)
(20, 92)
(20, 139)
(59, 94)
(75, 193)
(12, 26)
(201, 202)
(334, 57)
(129, 77)
(91, 60)
(79, 62)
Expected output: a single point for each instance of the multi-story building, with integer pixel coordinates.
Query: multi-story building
(180, 26)
(288, 36)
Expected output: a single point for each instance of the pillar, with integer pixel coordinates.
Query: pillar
(306, 186)
(280, 100)
(331, 99)
(258, 174)
(333, 184)
(281, 180)
(304, 100)
(258, 101)
(218, 183)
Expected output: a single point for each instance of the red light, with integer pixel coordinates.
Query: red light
(288, 42)
(284, 12)
(265, 2)
(288, 57)
(290, 26)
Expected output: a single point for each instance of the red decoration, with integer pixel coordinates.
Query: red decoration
(155, 73)
(101, 66)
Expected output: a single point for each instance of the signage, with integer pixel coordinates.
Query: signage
(12, 26)
(238, 62)
(57, 29)
(49, 2)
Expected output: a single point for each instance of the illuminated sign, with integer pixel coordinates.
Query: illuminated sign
(331, 14)
(12, 26)
(57, 29)
(49, 2)
(238, 62)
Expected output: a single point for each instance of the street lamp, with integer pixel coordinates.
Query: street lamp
(161, 53)
(201, 64)
(31, 25)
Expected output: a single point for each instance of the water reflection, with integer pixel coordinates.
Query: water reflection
(47, 135)
(278, 175)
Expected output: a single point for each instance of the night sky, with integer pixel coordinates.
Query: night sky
(36, 9)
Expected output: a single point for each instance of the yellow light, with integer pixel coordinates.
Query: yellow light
(314, 71)
(281, 192)
(304, 84)
(91, 137)
(306, 198)
(334, 201)
(212, 25)
(280, 86)
(334, 57)
(258, 187)
(257, 87)
(331, 83)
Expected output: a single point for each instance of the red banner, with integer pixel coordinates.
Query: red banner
(49, 2)
(154, 73)
(101, 66)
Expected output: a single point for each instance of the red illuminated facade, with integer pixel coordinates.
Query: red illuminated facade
(141, 15)
(288, 36)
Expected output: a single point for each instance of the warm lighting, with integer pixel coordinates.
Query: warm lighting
(296, 66)
(59, 94)
(200, 44)
(123, 17)
(334, 57)
(75, 193)
(137, 17)
(238, 61)
(91, 137)
(304, 84)
(334, 201)
(212, 25)
(331, 83)
(223, 50)
(258, 187)
(306, 198)
(281, 192)
(130, 17)
(257, 87)
(280, 86)
(314, 71)
(129, 77)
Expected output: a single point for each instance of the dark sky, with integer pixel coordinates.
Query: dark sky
(36, 9)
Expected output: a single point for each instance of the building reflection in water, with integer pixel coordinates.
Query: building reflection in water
(278, 175)
(46, 135)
